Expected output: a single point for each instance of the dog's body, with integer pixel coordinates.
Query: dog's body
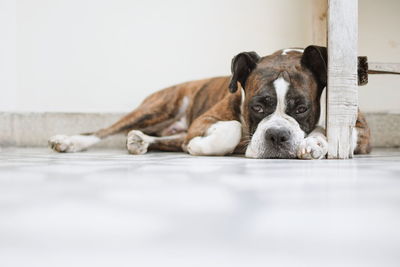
(274, 115)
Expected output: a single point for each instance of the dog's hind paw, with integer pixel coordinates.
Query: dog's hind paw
(61, 143)
(137, 142)
(74, 143)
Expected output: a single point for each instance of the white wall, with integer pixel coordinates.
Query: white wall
(8, 55)
(379, 39)
(98, 55)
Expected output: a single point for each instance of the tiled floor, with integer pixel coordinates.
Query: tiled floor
(107, 208)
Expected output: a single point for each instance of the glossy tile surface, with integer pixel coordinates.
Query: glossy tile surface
(107, 208)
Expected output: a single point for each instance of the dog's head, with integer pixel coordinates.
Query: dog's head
(281, 98)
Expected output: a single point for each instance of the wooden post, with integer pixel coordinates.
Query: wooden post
(342, 97)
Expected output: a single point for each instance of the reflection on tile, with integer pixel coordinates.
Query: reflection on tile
(108, 208)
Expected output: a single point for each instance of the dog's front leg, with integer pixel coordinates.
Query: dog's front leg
(219, 139)
(314, 146)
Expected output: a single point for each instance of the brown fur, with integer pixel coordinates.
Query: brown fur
(210, 101)
(364, 135)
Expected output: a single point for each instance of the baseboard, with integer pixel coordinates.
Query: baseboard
(33, 129)
(385, 129)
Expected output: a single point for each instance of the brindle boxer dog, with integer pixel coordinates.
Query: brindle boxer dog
(273, 115)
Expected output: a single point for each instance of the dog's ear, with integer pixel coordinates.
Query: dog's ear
(242, 65)
(315, 58)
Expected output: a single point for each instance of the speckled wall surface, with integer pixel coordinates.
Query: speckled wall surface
(33, 129)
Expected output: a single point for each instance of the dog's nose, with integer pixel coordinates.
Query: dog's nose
(276, 136)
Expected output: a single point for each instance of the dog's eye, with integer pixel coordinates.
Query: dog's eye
(258, 108)
(301, 109)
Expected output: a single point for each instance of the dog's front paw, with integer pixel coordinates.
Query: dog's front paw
(137, 142)
(313, 147)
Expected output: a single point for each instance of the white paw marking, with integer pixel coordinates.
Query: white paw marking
(221, 139)
(312, 147)
(137, 142)
(73, 143)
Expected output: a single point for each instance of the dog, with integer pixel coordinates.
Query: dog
(268, 108)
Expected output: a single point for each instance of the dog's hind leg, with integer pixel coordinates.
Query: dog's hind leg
(139, 143)
(138, 119)
(362, 142)
(72, 143)
(155, 113)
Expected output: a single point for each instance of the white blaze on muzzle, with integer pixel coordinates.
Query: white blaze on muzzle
(259, 147)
